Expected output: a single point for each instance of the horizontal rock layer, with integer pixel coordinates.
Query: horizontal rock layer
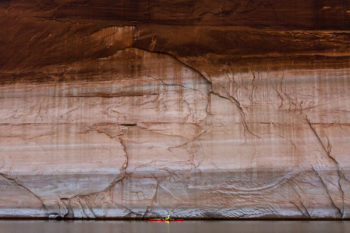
(138, 109)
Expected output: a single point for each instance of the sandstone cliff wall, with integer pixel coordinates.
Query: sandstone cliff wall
(197, 109)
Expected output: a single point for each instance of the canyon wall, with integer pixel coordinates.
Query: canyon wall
(196, 109)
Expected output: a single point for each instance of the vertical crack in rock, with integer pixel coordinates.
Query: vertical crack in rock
(86, 206)
(293, 103)
(280, 97)
(306, 211)
(237, 103)
(298, 208)
(14, 181)
(153, 200)
(240, 109)
(254, 87)
(243, 115)
(69, 213)
(327, 151)
(327, 191)
(123, 168)
(279, 86)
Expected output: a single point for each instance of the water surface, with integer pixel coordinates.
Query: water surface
(174, 227)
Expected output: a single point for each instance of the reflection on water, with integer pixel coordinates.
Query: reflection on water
(174, 227)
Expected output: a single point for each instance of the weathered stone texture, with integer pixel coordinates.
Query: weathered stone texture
(137, 109)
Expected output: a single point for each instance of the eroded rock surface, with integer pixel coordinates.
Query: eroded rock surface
(138, 109)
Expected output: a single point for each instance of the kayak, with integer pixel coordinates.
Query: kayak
(165, 220)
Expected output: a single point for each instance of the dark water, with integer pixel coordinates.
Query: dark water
(174, 227)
